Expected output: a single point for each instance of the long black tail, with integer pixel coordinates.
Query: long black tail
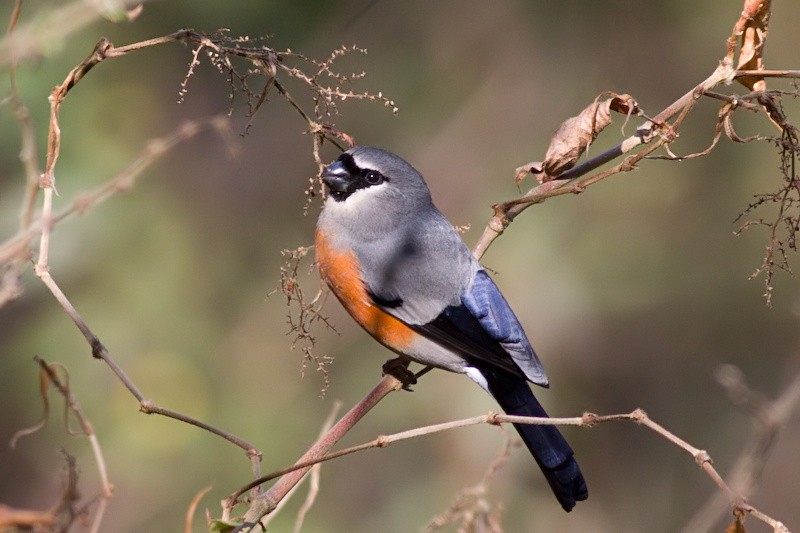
(547, 445)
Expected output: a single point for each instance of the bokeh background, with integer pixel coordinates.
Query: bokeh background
(633, 293)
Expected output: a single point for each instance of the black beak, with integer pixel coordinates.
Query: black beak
(337, 178)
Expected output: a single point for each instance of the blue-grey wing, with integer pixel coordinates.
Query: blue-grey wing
(486, 303)
(484, 326)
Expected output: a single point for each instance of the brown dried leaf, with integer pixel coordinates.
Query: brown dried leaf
(576, 133)
(732, 135)
(752, 27)
(329, 130)
(534, 167)
(737, 526)
(44, 386)
(193, 507)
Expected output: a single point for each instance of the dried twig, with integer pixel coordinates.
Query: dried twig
(187, 525)
(303, 314)
(783, 227)
(770, 418)
(700, 456)
(42, 268)
(16, 246)
(10, 287)
(268, 501)
(50, 376)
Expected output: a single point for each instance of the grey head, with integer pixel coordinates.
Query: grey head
(375, 181)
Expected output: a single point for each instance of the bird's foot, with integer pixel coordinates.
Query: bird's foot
(398, 368)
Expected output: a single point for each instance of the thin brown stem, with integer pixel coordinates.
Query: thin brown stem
(87, 429)
(566, 182)
(267, 501)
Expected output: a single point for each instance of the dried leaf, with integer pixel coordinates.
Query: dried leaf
(752, 26)
(737, 526)
(44, 386)
(193, 507)
(328, 129)
(732, 135)
(534, 167)
(576, 133)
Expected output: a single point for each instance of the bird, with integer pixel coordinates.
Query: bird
(402, 271)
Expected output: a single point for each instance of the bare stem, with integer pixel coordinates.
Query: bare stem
(570, 182)
(267, 501)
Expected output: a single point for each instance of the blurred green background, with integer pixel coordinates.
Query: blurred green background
(633, 293)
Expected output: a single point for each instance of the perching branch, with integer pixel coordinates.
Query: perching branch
(266, 502)
(736, 500)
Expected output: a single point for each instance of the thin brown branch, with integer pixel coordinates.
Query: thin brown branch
(314, 477)
(42, 270)
(268, 501)
(569, 182)
(147, 406)
(700, 456)
(10, 284)
(656, 128)
(122, 182)
(491, 418)
(771, 418)
(51, 25)
(86, 429)
(743, 73)
(268, 61)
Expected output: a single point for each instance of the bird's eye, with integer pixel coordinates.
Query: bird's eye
(373, 177)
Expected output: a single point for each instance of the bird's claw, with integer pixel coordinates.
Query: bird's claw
(398, 368)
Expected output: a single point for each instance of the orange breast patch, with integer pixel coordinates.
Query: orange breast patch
(340, 270)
